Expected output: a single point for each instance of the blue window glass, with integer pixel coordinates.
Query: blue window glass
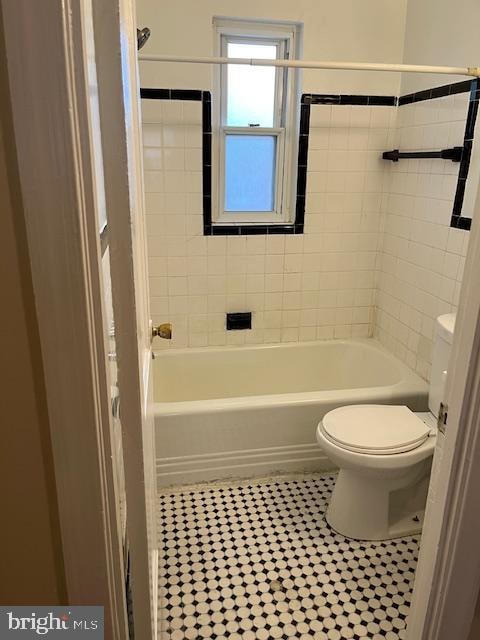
(250, 172)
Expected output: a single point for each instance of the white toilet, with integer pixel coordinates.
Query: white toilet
(384, 454)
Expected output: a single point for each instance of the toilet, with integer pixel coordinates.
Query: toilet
(384, 453)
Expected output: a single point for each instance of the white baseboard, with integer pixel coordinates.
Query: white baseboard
(241, 464)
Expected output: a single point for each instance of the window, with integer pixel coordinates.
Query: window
(256, 125)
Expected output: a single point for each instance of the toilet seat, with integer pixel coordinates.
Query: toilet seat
(375, 429)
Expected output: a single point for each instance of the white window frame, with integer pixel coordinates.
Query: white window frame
(286, 37)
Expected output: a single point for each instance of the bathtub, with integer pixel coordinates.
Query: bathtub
(233, 412)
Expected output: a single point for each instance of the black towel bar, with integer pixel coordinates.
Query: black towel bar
(454, 154)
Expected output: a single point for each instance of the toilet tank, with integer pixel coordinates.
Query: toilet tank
(442, 346)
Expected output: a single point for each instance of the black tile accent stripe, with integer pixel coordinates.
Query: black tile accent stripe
(472, 86)
(368, 101)
(458, 221)
(207, 158)
(307, 101)
(206, 99)
(156, 94)
(186, 94)
(210, 229)
(310, 100)
(172, 94)
(436, 92)
(302, 160)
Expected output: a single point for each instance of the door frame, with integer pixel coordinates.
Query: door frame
(119, 114)
(55, 105)
(448, 573)
(59, 199)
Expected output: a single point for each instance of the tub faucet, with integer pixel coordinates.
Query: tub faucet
(163, 331)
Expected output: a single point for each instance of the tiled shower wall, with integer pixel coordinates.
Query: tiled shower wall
(377, 257)
(299, 287)
(423, 258)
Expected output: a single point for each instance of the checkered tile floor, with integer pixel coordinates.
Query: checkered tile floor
(257, 561)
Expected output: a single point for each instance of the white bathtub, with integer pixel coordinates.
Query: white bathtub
(243, 411)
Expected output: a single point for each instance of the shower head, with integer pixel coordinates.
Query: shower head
(142, 36)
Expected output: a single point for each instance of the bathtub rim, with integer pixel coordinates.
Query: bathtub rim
(409, 384)
(370, 342)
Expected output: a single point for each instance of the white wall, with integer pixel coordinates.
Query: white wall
(360, 30)
(440, 32)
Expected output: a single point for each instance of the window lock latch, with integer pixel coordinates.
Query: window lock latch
(253, 124)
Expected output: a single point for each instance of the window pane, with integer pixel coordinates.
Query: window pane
(251, 90)
(250, 172)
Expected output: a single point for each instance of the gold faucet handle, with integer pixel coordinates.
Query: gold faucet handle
(162, 331)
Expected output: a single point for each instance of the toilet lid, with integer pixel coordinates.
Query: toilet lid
(375, 429)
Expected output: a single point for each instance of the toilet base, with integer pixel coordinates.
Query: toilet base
(410, 526)
(364, 507)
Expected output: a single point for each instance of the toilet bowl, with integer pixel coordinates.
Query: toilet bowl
(384, 454)
(380, 493)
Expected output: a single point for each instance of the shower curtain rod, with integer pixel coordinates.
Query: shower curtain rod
(308, 64)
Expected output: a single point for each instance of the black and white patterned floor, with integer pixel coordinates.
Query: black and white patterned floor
(257, 561)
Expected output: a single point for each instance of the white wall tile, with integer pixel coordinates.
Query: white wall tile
(377, 254)
(419, 276)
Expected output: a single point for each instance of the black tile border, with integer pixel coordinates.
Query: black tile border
(458, 221)
(472, 86)
(209, 228)
(207, 159)
(436, 92)
(172, 94)
(343, 99)
(205, 98)
(307, 101)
